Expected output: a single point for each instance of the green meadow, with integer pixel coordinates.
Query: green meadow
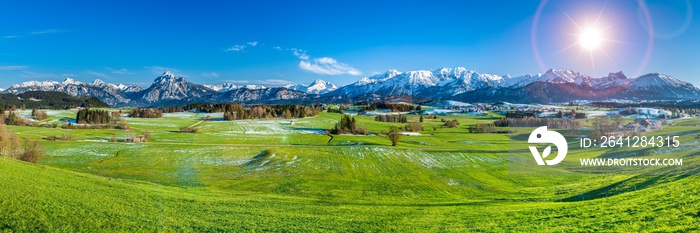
(272, 175)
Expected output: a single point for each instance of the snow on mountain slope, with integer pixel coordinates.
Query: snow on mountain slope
(612, 80)
(318, 86)
(109, 93)
(670, 86)
(446, 82)
(223, 87)
(653, 80)
(170, 87)
(458, 84)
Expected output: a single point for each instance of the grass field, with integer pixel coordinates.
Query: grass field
(270, 175)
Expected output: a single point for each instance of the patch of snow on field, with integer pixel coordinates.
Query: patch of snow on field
(411, 133)
(436, 111)
(262, 127)
(79, 151)
(597, 113)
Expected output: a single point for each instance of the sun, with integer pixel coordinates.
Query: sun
(590, 38)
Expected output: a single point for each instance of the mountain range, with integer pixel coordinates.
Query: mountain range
(460, 84)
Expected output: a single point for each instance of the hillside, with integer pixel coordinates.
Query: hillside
(38, 198)
(269, 175)
(48, 100)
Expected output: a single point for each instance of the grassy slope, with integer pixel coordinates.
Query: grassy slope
(38, 198)
(219, 180)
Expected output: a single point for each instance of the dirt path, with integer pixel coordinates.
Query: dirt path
(196, 124)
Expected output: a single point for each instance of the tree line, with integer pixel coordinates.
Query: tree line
(98, 119)
(394, 107)
(92, 116)
(47, 100)
(538, 121)
(287, 111)
(145, 113)
(487, 128)
(391, 118)
(348, 125)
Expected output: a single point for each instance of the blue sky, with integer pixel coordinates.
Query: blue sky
(280, 42)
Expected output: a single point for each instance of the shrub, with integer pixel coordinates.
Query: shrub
(413, 127)
(9, 143)
(188, 130)
(67, 136)
(113, 138)
(39, 115)
(33, 151)
(452, 123)
(14, 119)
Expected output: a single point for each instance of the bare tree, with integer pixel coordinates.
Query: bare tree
(394, 135)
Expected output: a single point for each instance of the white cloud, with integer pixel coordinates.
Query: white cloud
(328, 66)
(117, 71)
(235, 81)
(36, 75)
(323, 65)
(12, 67)
(276, 82)
(47, 31)
(236, 48)
(210, 74)
(98, 74)
(158, 70)
(300, 53)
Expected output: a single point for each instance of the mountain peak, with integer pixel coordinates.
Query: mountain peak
(71, 81)
(169, 77)
(98, 82)
(617, 75)
(318, 82)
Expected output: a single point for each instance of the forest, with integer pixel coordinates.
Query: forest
(47, 100)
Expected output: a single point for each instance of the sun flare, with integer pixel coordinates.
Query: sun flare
(590, 38)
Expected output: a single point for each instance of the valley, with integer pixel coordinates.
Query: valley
(272, 175)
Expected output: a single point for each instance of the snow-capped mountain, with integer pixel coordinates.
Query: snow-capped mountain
(259, 95)
(223, 87)
(318, 86)
(169, 87)
(461, 84)
(255, 87)
(458, 84)
(109, 93)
